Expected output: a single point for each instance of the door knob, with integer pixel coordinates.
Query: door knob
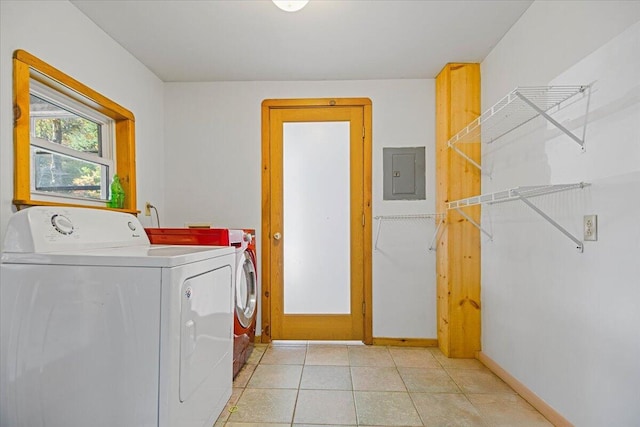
(277, 236)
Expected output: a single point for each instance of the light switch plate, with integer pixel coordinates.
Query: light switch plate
(590, 227)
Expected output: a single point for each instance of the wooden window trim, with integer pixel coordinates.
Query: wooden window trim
(27, 66)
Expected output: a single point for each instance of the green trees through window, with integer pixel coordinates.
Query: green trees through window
(64, 173)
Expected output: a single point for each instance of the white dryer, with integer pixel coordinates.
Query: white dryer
(99, 328)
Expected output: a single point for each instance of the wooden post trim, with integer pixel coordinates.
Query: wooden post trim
(458, 250)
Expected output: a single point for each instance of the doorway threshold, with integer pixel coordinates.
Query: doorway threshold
(313, 342)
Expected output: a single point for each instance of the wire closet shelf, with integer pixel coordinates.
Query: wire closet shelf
(517, 108)
(439, 217)
(523, 194)
(516, 193)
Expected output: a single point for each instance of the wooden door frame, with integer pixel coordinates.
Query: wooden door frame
(267, 106)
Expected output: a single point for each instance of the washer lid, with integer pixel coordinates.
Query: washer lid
(134, 256)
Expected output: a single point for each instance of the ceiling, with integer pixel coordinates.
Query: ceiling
(253, 40)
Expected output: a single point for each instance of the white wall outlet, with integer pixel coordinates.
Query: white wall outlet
(591, 227)
(147, 209)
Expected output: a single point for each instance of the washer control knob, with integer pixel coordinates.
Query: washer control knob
(132, 226)
(62, 224)
(277, 236)
(247, 237)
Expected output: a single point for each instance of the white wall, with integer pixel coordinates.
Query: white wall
(565, 323)
(59, 34)
(213, 156)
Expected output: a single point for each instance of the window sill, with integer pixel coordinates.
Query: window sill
(22, 204)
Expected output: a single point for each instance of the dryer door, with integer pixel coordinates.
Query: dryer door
(206, 318)
(246, 292)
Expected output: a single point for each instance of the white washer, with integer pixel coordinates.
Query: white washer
(100, 328)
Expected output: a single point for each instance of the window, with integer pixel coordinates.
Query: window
(71, 147)
(72, 141)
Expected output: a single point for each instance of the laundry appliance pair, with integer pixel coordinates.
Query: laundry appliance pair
(100, 328)
(246, 289)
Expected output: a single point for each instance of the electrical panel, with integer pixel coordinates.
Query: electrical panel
(404, 173)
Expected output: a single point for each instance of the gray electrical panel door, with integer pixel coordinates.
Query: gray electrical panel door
(404, 173)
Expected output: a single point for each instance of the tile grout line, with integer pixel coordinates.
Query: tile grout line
(353, 391)
(304, 362)
(413, 403)
(462, 391)
(244, 388)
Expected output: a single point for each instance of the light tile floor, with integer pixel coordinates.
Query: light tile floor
(303, 385)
